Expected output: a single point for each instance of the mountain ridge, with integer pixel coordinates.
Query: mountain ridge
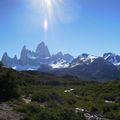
(34, 59)
(86, 66)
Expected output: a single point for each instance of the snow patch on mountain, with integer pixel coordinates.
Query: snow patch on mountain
(60, 64)
(83, 59)
(112, 58)
(31, 56)
(27, 67)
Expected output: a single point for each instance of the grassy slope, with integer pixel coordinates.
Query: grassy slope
(49, 98)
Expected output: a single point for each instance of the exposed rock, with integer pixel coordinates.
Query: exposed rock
(90, 116)
(99, 69)
(7, 113)
(23, 57)
(6, 60)
(68, 57)
(112, 58)
(42, 50)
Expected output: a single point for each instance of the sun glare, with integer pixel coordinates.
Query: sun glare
(48, 2)
(45, 24)
(50, 11)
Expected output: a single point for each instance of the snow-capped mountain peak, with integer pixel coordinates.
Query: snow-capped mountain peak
(83, 59)
(87, 58)
(112, 58)
(31, 60)
(61, 63)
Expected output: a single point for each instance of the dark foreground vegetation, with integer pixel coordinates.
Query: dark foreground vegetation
(39, 96)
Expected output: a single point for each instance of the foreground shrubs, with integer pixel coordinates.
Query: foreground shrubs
(8, 87)
(35, 112)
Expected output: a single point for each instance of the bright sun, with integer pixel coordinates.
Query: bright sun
(50, 11)
(48, 2)
(46, 10)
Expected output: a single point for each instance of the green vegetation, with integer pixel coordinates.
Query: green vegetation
(49, 101)
(1, 64)
(8, 86)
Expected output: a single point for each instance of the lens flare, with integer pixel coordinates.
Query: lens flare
(52, 11)
(48, 2)
(45, 24)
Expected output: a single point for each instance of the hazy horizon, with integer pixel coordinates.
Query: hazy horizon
(69, 26)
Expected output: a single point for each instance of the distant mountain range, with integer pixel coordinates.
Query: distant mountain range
(85, 66)
(32, 60)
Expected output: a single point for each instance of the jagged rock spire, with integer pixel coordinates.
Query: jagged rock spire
(23, 56)
(42, 50)
(5, 59)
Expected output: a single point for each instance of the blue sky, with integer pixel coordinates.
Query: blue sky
(80, 26)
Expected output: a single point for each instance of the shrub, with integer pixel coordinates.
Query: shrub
(8, 86)
(70, 114)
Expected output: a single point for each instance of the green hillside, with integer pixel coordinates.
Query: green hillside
(40, 96)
